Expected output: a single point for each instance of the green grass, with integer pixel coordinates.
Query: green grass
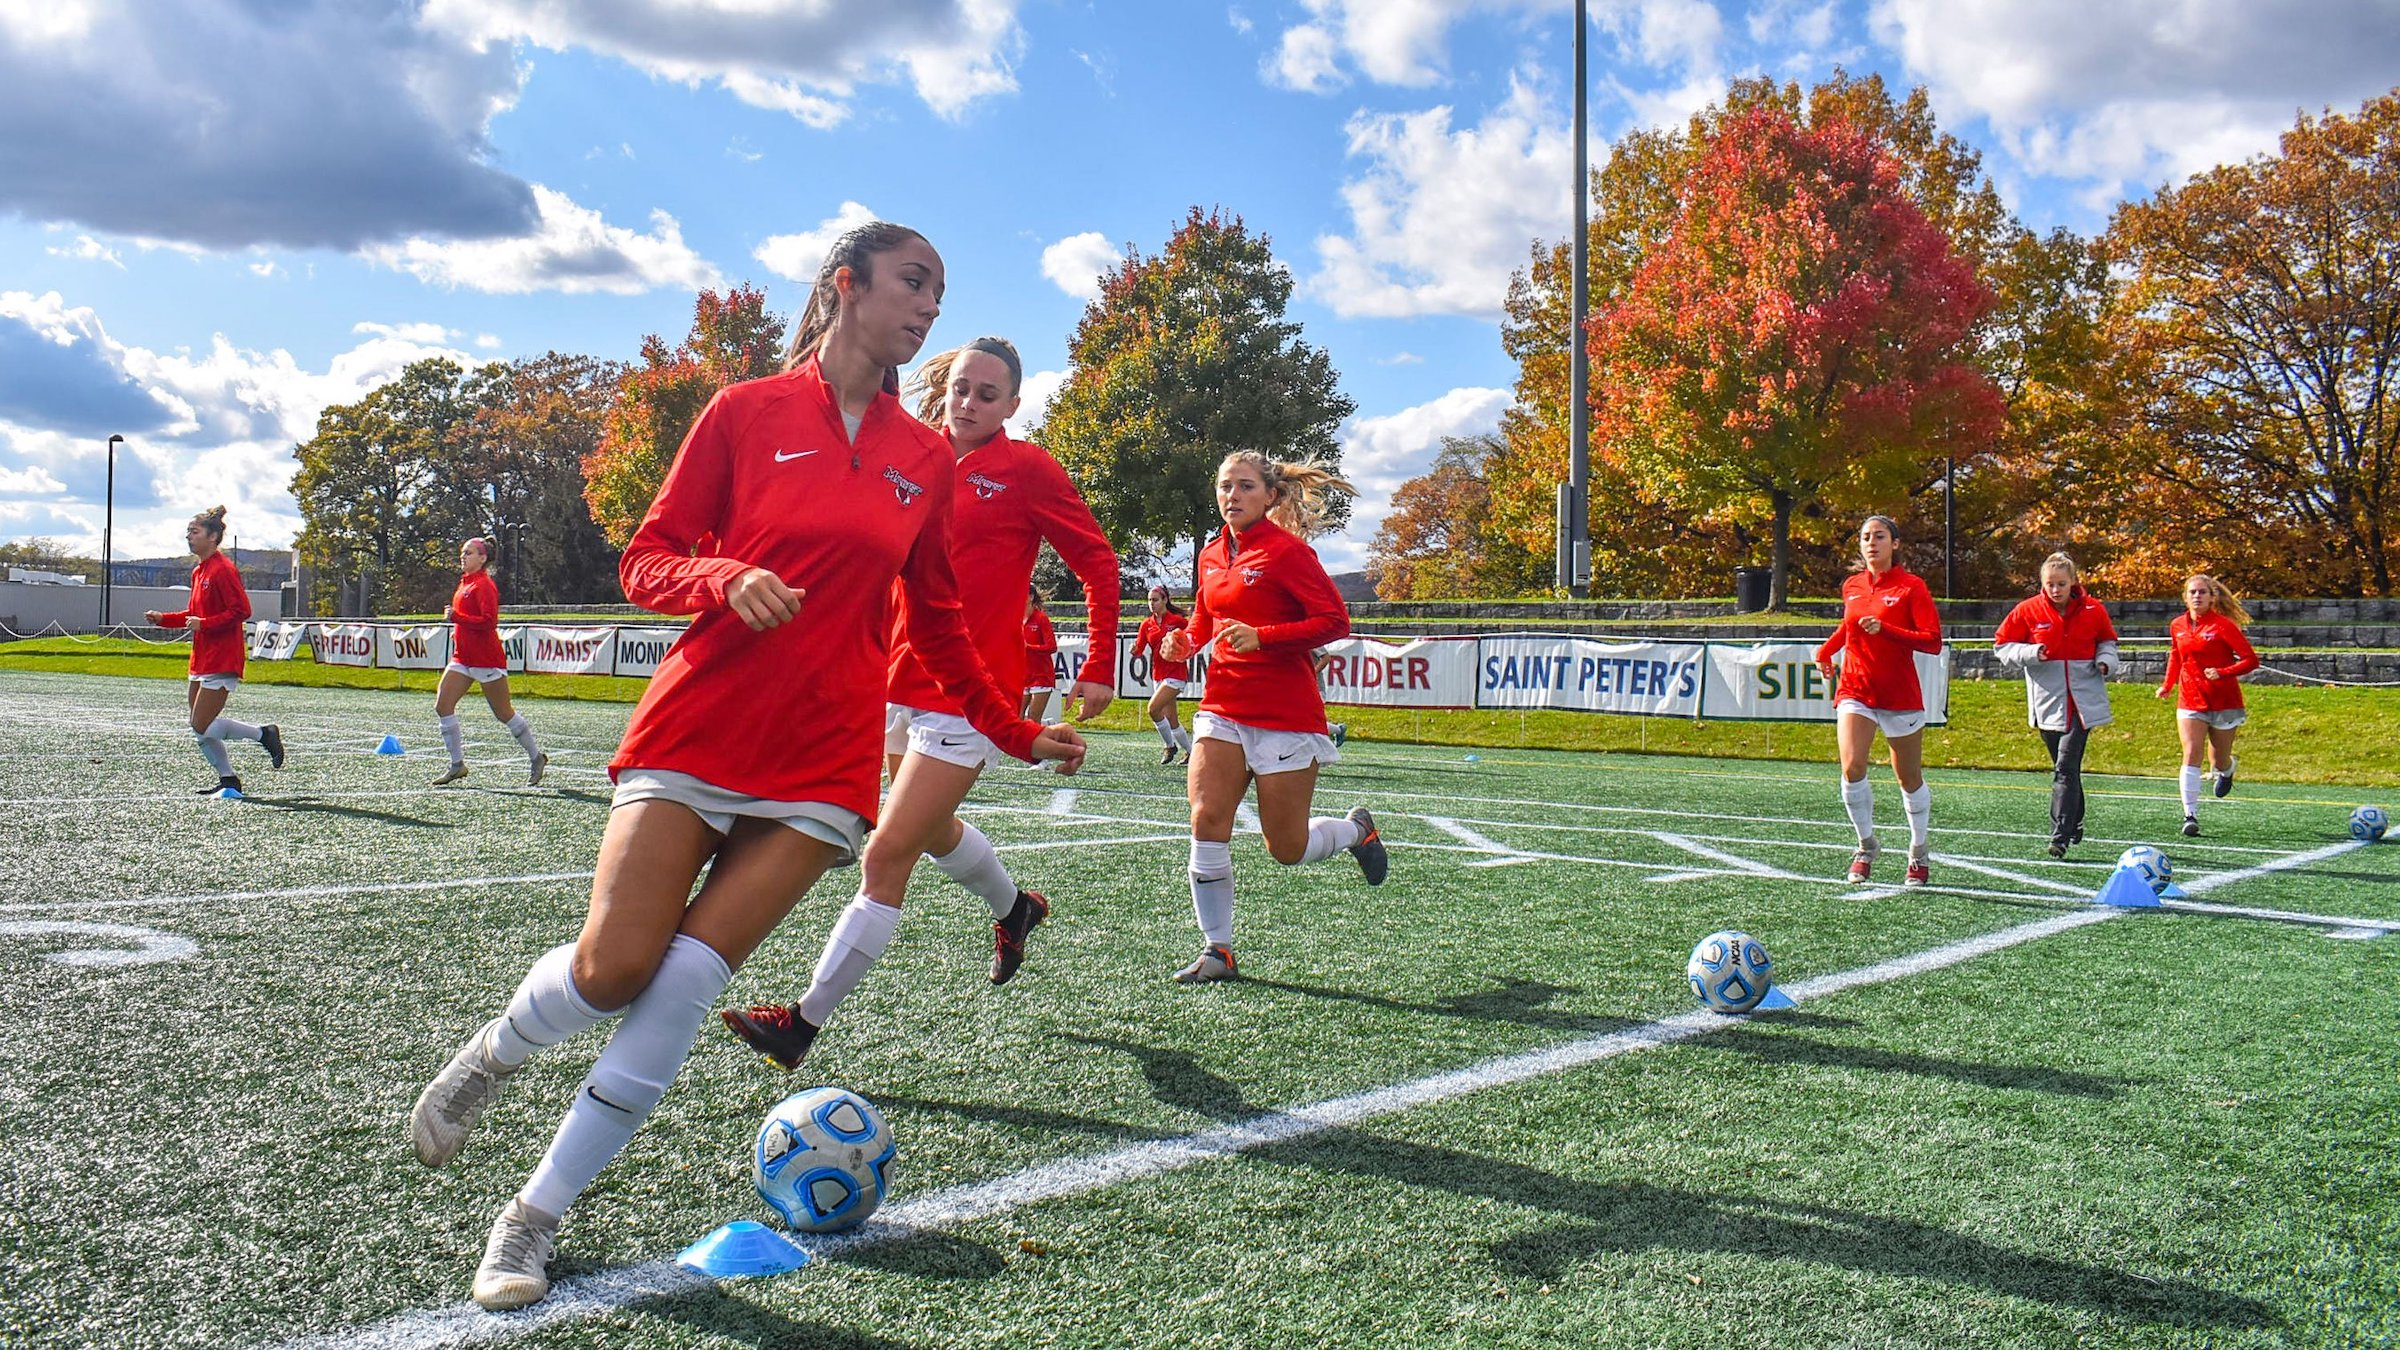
(2295, 735)
(2170, 1129)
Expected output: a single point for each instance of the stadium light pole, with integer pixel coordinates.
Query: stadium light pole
(1574, 497)
(108, 531)
(1949, 524)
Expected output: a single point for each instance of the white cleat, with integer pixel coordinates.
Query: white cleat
(516, 1259)
(446, 1111)
(540, 765)
(1215, 963)
(450, 775)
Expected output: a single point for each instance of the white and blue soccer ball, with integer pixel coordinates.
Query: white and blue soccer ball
(2152, 866)
(1730, 971)
(822, 1160)
(2368, 823)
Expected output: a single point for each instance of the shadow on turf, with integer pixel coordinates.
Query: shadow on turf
(721, 1313)
(311, 806)
(1806, 1053)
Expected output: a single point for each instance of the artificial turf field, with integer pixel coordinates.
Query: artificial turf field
(1472, 1107)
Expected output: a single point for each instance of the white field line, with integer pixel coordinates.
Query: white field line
(1738, 863)
(2005, 874)
(1502, 854)
(612, 1291)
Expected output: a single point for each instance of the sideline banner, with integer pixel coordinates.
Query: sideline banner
(1779, 682)
(424, 646)
(342, 644)
(639, 650)
(271, 641)
(1657, 679)
(512, 646)
(569, 651)
(1133, 673)
(1064, 662)
(1426, 673)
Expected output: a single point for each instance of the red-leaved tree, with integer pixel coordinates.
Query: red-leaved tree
(1797, 342)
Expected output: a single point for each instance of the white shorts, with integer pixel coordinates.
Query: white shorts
(1041, 689)
(1891, 724)
(717, 807)
(1268, 752)
(2224, 719)
(1176, 685)
(947, 737)
(479, 674)
(228, 683)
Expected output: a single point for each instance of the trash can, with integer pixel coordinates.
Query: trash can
(1751, 588)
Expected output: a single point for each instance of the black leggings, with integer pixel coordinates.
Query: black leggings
(2066, 777)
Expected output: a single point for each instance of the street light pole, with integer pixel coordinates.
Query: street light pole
(1575, 508)
(108, 532)
(1949, 526)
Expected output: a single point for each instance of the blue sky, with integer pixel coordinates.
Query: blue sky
(219, 216)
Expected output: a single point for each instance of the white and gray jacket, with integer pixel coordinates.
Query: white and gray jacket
(2048, 683)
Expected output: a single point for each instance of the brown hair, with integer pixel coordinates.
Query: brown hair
(2221, 599)
(934, 376)
(2065, 564)
(852, 250)
(1298, 488)
(213, 521)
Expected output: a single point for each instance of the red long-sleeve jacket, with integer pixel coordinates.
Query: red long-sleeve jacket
(475, 622)
(2214, 643)
(769, 478)
(1153, 631)
(1270, 579)
(216, 612)
(1880, 669)
(1041, 642)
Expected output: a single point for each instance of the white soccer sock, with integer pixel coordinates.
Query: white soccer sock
(546, 1009)
(226, 729)
(2190, 783)
(1166, 730)
(1328, 835)
(1212, 889)
(1183, 740)
(851, 950)
(212, 749)
(1919, 805)
(642, 1058)
(523, 731)
(2230, 762)
(454, 739)
(975, 866)
(1858, 798)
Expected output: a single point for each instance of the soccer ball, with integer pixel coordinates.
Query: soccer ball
(2369, 823)
(1730, 972)
(821, 1160)
(2156, 872)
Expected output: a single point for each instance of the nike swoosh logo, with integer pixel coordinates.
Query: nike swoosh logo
(948, 744)
(1287, 755)
(782, 457)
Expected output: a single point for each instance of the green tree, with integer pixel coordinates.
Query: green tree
(1184, 358)
(520, 448)
(378, 489)
(733, 338)
(1437, 542)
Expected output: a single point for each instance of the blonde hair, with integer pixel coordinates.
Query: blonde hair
(2063, 563)
(933, 378)
(853, 250)
(213, 521)
(2221, 600)
(1298, 489)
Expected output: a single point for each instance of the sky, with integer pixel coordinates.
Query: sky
(219, 217)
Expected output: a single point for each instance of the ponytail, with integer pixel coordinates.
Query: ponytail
(853, 250)
(1300, 490)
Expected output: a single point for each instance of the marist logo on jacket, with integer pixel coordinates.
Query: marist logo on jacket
(903, 489)
(984, 487)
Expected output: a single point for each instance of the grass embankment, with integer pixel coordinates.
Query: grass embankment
(2296, 734)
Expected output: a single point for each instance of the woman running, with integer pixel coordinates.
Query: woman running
(810, 491)
(1265, 602)
(1887, 617)
(2207, 656)
(2062, 639)
(216, 614)
(477, 658)
(1168, 676)
(1041, 655)
(1011, 498)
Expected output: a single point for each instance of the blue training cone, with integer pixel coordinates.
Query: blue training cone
(2126, 890)
(390, 746)
(1774, 1000)
(743, 1248)
(228, 794)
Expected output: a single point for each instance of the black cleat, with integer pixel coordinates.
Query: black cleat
(1008, 935)
(1373, 859)
(780, 1034)
(228, 782)
(271, 736)
(1167, 758)
(2191, 827)
(2058, 848)
(2225, 782)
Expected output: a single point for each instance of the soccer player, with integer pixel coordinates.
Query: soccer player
(1041, 652)
(1011, 498)
(806, 493)
(1167, 677)
(1265, 602)
(216, 613)
(476, 658)
(2207, 656)
(1887, 617)
(2062, 639)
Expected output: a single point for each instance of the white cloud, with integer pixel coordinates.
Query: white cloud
(1041, 386)
(1307, 59)
(487, 342)
(88, 249)
(796, 257)
(30, 482)
(1379, 454)
(574, 251)
(1441, 217)
(1076, 263)
(1402, 359)
(267, 270)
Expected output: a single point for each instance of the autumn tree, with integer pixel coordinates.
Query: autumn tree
(378, 491)
(1183, 358)
(528, 427)
(733, 338)
(1437, 541)
(2262, 327)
